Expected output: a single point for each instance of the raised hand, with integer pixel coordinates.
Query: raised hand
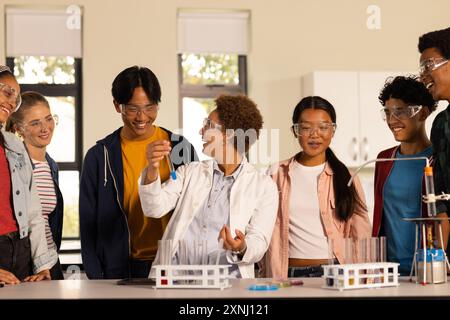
(156, 151)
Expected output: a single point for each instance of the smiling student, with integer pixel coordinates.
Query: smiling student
(434, 48)
(315, 202)
(117, 240)
(225, 197)
(399, 185)
(24, 253)
(34, 122)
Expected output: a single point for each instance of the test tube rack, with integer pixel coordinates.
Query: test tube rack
(360, 275)
(192, 276)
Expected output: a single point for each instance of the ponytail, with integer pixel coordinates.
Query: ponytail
(346, 198)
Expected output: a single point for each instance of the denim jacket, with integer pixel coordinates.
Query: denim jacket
(26, 203)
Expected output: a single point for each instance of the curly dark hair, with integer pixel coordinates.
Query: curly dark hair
(439, 39)
(242, 115)
(408, 89)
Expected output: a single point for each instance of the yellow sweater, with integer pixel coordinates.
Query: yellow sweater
(144, 232)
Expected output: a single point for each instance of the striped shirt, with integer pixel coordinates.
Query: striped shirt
(46, 191)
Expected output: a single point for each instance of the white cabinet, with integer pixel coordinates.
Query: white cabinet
(361, 133)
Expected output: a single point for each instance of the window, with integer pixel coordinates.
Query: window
(44, 52)
(203, 78)
(59, 80)
(212, 48)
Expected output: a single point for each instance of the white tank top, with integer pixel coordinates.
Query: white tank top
(307, 239)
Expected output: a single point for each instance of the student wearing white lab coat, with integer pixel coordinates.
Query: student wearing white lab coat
(222, 198)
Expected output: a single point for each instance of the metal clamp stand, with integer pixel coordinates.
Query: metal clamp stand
(421, 225)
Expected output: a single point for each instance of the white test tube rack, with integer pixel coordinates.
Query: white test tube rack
(192, 276)
(360, 275)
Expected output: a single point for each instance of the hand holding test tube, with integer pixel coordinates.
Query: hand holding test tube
(157, 151)
(173, 174)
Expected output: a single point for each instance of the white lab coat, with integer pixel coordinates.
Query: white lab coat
(253, 206)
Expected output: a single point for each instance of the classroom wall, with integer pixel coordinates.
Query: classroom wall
(289, 38)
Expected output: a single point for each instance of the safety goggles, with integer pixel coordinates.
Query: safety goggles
(11, 95)
(132, 110)
(305, 129)
(400, 113)
(431, 64)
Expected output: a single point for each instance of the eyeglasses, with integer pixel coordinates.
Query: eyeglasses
(431, 64)
(209, 124)
(11, 95)
(400, 113)
(304, 129)
(132, 110)
(48, 122)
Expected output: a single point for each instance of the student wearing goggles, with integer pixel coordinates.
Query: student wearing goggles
(398, 184)
(434, 48)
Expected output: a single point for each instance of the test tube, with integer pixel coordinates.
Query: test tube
(219, 251)
(348, 247)
(382, 255)
(169, 252)
(182, 258)
(194, 260)
(164, 252)
(375, 256)
(161, 249)
(429, 187)
(204, 251)
(330, 251)
(330, 278)
(349, 258)
(362, 254)
(383, 249)
(173, 174)
(374, 249)
(363, 259)
(182, 253)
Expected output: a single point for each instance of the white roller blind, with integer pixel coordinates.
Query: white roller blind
(49, 32)
(213, 32)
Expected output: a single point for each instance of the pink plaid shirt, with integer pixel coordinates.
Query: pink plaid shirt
(276, 260)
